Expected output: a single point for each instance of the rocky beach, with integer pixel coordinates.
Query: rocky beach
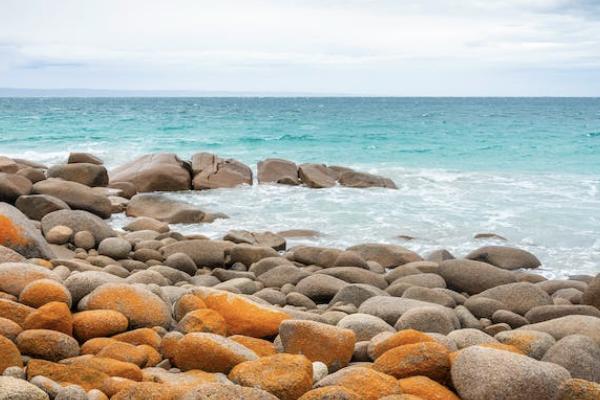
(90, 311)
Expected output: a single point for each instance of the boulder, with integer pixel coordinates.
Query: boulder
(265, 239)
(203, 320)
(86, 377)
(212, 172)
(356, 275)
(509, 258)
(36, 206)
(115, 248)
(519, 297)
(387, 255)
(204, 253)
(274, 170)
(319, 287)
(473, 277)
(365, 326)
(532, 343)
(12, 186)
(154, 172)
(421, 387)
(47, 344)
(19, 389)
(579, 355)
(142, 307)
(546, 313)
(317, 176)
(319, 342)
(18, 233)
(384, 342)
(78, 221)
(75, 158)
(569, 325)
(279, 276)
(284, 375)
(366, 383)
(76, 195)
(84, 173)
(14, 277)
(83, 283)
(591, 296)
(147, 223)
(8, 255)
(578, 389)
(10, 356)
(363, 180)
(428, 359)
(356, 293)
(391, 308)
(164, 209)
(334, 392)
(209, 352)
(217, 391)
(429, 319)
(8, 165)
(483, 373)
(98, 323)
(248, 254)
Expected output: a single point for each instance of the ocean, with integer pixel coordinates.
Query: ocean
(525, 168)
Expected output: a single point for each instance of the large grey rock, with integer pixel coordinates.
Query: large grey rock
(470, 337)
(320, 288)
(181, 262)
(365, 326)
(279, 276)
(429, 295)
(483, 307)
(76, 195)
(212, 172)
(267, 264)
(388, 255)
(429, 319)
(363, 180)
(546, 313)
(533, 343)
(154, 172)
(579, 354)
(423, 280)
(569, 325)
(115, 248)
(164, 209)
(480, 373)
(12, 186)
(553, 285)
(356, 275)
(78, 221)
(391, 308)
(265, 239)
(473, 276)
(36, 206)
(317, 175)
(84, 173)
(204, 253)
(519, 297)
(19, 389)
(505, 257)
(21, 235)
(356, 293)
(274, 170)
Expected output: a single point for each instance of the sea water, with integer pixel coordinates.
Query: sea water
(524, 168)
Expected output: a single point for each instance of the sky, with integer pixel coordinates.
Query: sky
(356, 47)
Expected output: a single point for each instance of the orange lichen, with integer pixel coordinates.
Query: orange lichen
(11, 235)
(367, 383)
(187, 303)
(151, 390)
(109, 366)
(498, 346)
(14, 311)
(579, 389)
(10, 356)
(153, 357)
(203, 320)
(124, 352)
(330, 393)
(400, 338)
(243, 317)
(115, 384)
(87, 378)
(55, 316)
(93, 346)
(524, 341)
(261, 347)
(98, 323)
(43, 291)
(426, 388)
(140, 336)
(284, 375)
(427, 358)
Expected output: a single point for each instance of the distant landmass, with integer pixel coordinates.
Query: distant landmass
(19, 92)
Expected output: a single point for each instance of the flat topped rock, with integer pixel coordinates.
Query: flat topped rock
(267, 239)
(76, 195)
(154, 172)
(212, 172)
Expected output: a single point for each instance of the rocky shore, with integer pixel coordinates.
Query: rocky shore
(88, 312)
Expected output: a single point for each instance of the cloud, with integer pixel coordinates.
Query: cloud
(342, 44)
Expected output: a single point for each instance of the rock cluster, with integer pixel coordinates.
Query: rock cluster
(93, 313)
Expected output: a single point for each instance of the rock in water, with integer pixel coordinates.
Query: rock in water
(212, 172)
(75, 158)
(317, 175)
(481, 373)
(363, 180)
(275, 170)
(18, 233)
(155, 172)
(164, 209)
(76, 195)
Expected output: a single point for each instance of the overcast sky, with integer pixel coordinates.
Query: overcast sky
(385, 47)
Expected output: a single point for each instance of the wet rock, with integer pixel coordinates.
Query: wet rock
(212, 172)
(473, 276)
(505, 257)
(363, 180)
(317, 176)
(275, 170)
(76, 195)
(154, 172)
(265, 239)
(21, 235)
(84, 173)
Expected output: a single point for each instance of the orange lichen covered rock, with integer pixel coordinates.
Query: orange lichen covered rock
(286, 376)
(55, 316)
(203, 320)
(217, 391)
(98, 323)
(153, 357)
(14, 277)
(14, 311)
(378, 346)
(150, 391)
(209, 352)
(402, 397)
(10, 356)
(140, 336)
(43, 291)
(9, 329)
(427, 358)
(124, 352)
(47, 344)
(426, 388)
(319, 342)
(243, 316)
(498, 346)
(367, 383)
(18, 233)
(168, 345)
(115, 384)
(109, 366)
(93, 346)
(185, 304)
(87, 378)
(143, 308)
(578, 389)
(261, 347)
(330, 393)
(192, 377)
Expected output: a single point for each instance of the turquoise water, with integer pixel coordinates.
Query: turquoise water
(526, 168)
